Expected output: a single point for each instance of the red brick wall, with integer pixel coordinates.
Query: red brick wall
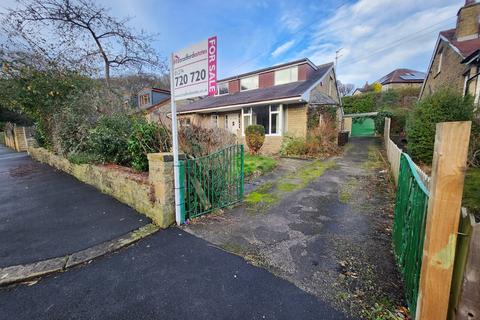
(233, 86)
(266, 79)
(304, 71)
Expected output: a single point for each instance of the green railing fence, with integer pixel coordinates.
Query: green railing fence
(214, 181)
(409, 227)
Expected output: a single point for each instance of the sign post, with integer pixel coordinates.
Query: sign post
(193, 73)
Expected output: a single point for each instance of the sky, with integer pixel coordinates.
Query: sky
(375, 36)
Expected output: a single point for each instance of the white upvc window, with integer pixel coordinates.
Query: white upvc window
(214, 121)
(286, 75)
(249, 83)
(270, 117)
(222, 88)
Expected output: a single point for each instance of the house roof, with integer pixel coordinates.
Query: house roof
(465, 47)
(403, 76)
(278, 66)
(288, 90)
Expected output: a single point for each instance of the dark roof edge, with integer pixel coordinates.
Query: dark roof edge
(238, 76)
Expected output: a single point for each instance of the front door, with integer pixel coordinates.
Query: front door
(232, 122)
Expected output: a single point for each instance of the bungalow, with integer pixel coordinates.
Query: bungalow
(402, 78)
(455, 59)
(279, 98)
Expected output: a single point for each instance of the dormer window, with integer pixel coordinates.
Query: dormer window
(286, 75)
(144, 99)
(249, 83)
(222, 88)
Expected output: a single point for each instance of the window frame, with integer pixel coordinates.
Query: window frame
(214, 120)
(275, 81)
(218, 88)
(147, 98)
(250, 77)
(279, 112)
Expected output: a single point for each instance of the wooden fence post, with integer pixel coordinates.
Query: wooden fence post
(443, 214)
(386, 132)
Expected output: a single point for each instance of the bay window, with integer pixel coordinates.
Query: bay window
(269, 116)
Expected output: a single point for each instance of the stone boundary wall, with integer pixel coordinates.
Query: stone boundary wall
(152, 196)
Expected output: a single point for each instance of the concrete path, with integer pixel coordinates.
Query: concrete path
(169, 275)
(45, 213)
(324, 226)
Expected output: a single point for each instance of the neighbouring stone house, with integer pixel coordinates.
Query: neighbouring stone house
(455, 59)
(361, 90)
(402, 78)
(154, 103)
(278, 97)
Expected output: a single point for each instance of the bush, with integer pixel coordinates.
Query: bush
(255, 137)
(294, 146)
(196, 141)
(380, 120)
(109, 139)
(444, 105)
(146, 137)
(362, 103)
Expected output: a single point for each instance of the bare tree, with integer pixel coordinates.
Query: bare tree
(81, 33)
(345, 88)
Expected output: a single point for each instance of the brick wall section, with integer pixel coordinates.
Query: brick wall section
(304, 71)
(152, 197)
(266, 79)
(233, 86)
(296, 120)
(451, 73)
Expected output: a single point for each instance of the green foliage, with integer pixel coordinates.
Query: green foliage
(293, 146)
(471, 198)
(109, 139)
(258, 164)
(377, 101)
(196, 141)
(444, 105)
(146, 137)
(83, 158)
(255, 137)
(380, 120)
(362, 103)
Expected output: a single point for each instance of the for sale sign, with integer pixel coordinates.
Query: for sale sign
(195, 70)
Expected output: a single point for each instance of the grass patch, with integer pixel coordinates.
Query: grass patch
(471, 193)
(287, 187)
(374, 160)
(346, 191)
(255, 164)
(312, 171)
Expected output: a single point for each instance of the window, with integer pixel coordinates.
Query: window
(286, 75)
(222, 88)
(249, 83)
(184, 122)
(440, 60)
(267, 116)
(144, 99)
(215, 121)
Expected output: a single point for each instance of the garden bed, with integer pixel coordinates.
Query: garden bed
(256, 165)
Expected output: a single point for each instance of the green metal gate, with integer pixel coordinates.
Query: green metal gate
(409, 227)
(214, 181)
(363, 127)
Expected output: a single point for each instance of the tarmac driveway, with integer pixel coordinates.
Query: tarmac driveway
(45, 213)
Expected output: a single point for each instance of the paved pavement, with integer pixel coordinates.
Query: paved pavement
(45, 213)
(170, 275)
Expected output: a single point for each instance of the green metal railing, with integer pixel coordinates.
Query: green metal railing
(409, 227)
(214, 181)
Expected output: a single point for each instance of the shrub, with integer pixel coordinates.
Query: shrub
(146, 137)
(197, 141)
(109, 139)
(380, 120)
(365, 102)
(444, 105)
(293, 146)
(255, 137)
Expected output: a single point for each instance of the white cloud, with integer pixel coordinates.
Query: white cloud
(283, 48)
(291, 20)
(380, 36)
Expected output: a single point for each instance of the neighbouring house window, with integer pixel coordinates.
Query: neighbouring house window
(214, 120)
(144, 99)
(222, 88)
(249, 83)
(440, 61)
(286, 75)
(268, 116)
(184, 122)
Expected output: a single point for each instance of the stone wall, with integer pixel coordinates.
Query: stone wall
(296, 120)
(451, 71)
(152, 196)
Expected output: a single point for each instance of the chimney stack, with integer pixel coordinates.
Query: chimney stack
(467, 21)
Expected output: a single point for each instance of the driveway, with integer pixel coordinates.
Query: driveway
(324, 226)
(45, 213)
(169, 275)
